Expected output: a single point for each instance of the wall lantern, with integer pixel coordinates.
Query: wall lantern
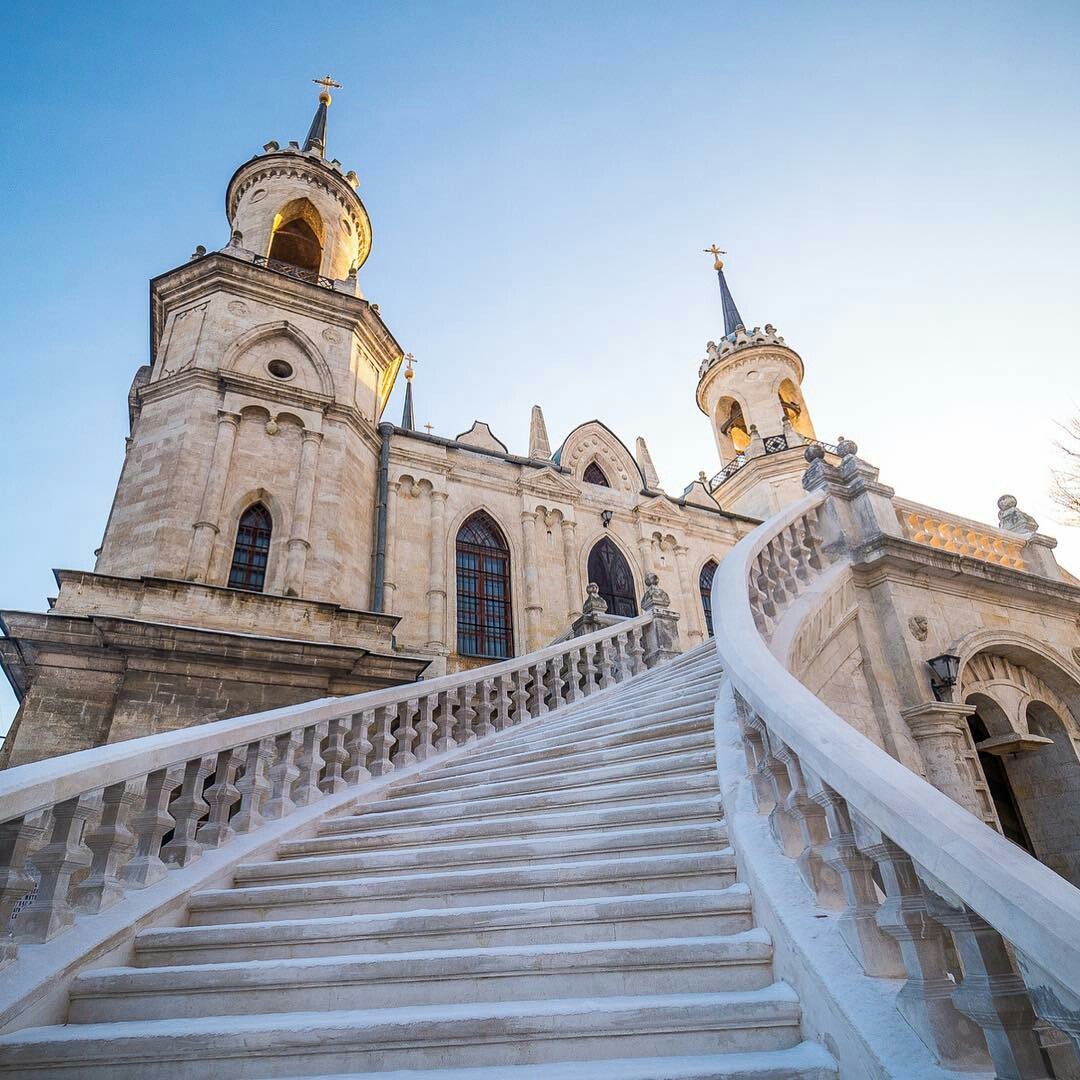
(605, 517)
(945, 668)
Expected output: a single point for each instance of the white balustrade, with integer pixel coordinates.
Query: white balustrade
(78, 832)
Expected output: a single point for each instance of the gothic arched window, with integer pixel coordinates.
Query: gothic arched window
(484, 622)
(595, 475)
(705, 580)
(248, 569)
(298, 236)
(609, 569)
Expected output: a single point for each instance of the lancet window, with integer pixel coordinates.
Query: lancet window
(484, 619)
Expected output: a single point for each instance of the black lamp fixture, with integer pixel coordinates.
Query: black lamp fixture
(605, 517)
(945, 668)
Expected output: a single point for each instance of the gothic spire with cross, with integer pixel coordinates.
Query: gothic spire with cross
(408, 418)
(316, 136)
(732, 319)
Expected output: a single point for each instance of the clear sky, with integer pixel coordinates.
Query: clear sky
(896, 185)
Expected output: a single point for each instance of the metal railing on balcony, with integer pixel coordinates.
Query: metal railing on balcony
(296, 272)
(773, 444)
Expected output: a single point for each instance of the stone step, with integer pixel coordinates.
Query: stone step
(418, 1037)
(388, 813)
(546, 823)
(709, 869)
(483, 772)
(419, 794)
(806, 1061)
(511, 850)
(394, 980)
(545, 922)
(511, 751)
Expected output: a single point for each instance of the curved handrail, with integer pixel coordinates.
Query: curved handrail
(1032, 907)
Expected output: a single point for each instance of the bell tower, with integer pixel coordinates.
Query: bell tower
(236, 569)
(750, 388)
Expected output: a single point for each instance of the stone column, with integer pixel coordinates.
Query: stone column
(644, 544)
(573, 585)
(940, 731)
(696, 631)
(296, 558)
(390, 567)
(437, 572)
(209, 523)
(533, 607)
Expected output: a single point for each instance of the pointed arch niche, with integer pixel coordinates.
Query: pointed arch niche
(609, 569)
(251, 552)
(484, 615)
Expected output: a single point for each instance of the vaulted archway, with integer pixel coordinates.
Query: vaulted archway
(609, 569)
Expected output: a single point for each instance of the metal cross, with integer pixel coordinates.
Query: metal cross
(714, 251)
(428, 428)
(327, 83)
(409, 361)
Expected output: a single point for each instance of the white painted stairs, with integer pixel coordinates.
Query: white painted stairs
(559, 903)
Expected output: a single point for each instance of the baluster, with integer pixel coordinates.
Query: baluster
(603, 664)
(149, 825)
(811, 543)
(809, 818)
(992, 992)
(876, 951)
(539, 689)
(521, 695)
(560, 681)
(310, 763)
(50, 913)
(484, 708)
(774, 786)
(221, 795)
(404, 735)
(620, 669)
(426, 727)
(358, 746)
(282, 773)
(925, 1000)
(752, 729)
(187, 810)
(447, 706)
(17, 837)
(573, 675)
(110, 843)
(253, 786)
(503, 702)
(335, 757)
(383, 740)
(590, 676)
(636, 650)
(1053, 1003)
(463, 730)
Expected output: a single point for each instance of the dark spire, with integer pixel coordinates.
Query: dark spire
(408, 419)
(316, 136)
(732, 319)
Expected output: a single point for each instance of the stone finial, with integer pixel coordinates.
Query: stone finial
(199, 252)
(236, 239)
(702, 478)
(645, 463)
(1012, 518)
(270, 146)
(846, 447)
(814, 452)
(654, 597)
(594, 604)
(539, 447)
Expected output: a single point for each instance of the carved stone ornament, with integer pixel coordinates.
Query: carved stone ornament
(1012, 518)
(654, 597)
(331, 335)
(594, 602)
(814, 452)
(272, 427)
(846, 447)
(919, 627)
(238, 307)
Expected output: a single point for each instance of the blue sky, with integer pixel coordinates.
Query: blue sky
(895, 183)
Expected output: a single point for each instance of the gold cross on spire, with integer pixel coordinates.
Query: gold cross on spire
(715, 252)
(326, 83)
(429, 428)
(409, 361)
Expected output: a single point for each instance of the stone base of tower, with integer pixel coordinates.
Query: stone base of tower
(118, 658)
(765, 484)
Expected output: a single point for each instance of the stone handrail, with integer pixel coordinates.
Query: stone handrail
(937, 529)
(78, 832)
(858, 822)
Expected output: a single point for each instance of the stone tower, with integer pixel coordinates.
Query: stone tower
(253, 438)
(750, 387)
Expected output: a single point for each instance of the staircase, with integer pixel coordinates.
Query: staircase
(561, 902)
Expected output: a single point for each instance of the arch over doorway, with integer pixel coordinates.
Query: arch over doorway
(609, 569)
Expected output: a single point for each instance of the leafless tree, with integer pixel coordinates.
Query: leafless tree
(1065, 487)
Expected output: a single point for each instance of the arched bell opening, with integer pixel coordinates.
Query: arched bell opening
(298, 236)
(794, 408)
(732, 428)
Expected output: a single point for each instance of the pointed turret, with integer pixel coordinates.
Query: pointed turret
(408, 418)
(732, 319)
(539, 447)
(316, 136)
(645, 464)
